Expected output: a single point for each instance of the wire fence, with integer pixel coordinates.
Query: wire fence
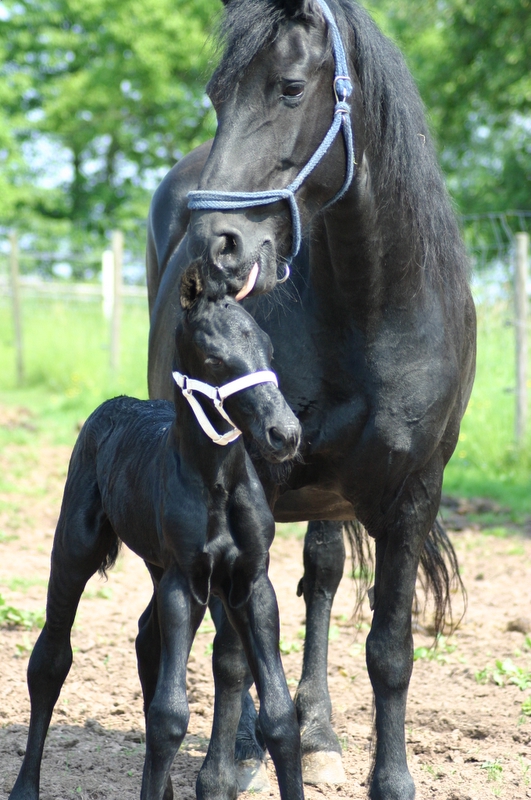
(497, 244)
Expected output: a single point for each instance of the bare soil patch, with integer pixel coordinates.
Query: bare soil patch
(467, 740)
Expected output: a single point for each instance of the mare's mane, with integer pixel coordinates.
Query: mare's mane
(414, 214)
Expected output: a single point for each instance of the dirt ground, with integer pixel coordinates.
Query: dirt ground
(467, 735)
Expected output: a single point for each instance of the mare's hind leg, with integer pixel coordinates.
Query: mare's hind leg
(167, 717)
(82, 541)
(390, 641)
(225, 773)
(324, 558)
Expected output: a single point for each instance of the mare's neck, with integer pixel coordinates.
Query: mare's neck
(353, 261)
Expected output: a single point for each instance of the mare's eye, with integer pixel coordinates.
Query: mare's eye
(212, 361)
(293, 89)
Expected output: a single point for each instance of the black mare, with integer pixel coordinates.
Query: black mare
(374, 334)
(144, 473)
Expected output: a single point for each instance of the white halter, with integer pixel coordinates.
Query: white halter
(218, 394)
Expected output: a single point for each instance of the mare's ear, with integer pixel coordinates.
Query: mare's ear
(293, 8)
(191, 287)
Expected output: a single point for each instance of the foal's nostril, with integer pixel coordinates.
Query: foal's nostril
(276, 438)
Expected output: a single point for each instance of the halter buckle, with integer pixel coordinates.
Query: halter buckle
(346, 93)
(185, 389)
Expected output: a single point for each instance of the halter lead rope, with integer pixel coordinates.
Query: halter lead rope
(226, 201)
(218, 394)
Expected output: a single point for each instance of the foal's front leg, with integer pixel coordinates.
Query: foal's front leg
(257, 623)
(167, 718)
(220, 776)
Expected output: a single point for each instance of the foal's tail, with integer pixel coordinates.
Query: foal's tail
(439, 574)
(109, 560)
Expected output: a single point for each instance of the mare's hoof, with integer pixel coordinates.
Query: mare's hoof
(251, 775)
(323, 767)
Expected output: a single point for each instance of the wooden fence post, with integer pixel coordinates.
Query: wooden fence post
(520, 294)
(107, 283)
(118, 250)
(17, 311)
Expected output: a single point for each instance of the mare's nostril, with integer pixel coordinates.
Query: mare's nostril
(228, 246)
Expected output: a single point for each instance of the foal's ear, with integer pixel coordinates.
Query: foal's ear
(191, 287)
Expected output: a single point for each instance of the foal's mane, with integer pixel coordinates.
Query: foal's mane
(415, 216)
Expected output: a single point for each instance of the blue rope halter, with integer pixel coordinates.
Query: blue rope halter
(224, 201)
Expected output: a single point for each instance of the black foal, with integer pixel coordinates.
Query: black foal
(145, 473)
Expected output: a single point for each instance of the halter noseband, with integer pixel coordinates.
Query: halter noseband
(218, 394)
(225, 201)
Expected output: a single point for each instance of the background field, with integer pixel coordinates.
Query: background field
(67, 374)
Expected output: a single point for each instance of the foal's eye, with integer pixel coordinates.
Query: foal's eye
(212, 361)
(293, 90)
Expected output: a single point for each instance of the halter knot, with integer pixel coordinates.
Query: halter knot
(342, 107)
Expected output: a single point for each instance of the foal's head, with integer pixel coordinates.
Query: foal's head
(218, 342)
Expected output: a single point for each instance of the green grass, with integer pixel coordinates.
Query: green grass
(486, 462)
(66, 359)
(67, 375)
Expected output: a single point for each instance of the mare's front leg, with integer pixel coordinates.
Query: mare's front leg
(82, 540)
(324, 558)
(257, 623)
(179, 617)
(390, 641)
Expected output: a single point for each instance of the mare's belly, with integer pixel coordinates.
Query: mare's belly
(311, 503)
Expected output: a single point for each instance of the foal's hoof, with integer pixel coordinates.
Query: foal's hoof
(324, 767)
(251, 775)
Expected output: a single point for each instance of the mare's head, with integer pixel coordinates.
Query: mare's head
(218, 342)
(274, 96)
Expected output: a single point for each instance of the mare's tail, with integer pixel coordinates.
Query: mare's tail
(439, 574)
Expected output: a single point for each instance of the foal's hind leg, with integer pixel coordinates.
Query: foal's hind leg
(167, 717)
(324, 557)
(148, 650)
(82, 540)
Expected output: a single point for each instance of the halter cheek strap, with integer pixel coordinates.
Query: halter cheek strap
(228, 201)
(218, 394)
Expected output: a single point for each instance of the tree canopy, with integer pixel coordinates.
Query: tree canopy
(98, 98)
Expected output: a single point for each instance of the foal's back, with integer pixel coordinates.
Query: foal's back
(115, 471)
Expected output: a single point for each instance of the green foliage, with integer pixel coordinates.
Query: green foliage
(494, 770)
(111, 90)
(505, 673)
(104, 95)
(13, 617)
(439, 652)
(526, 707)
(472, 62)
